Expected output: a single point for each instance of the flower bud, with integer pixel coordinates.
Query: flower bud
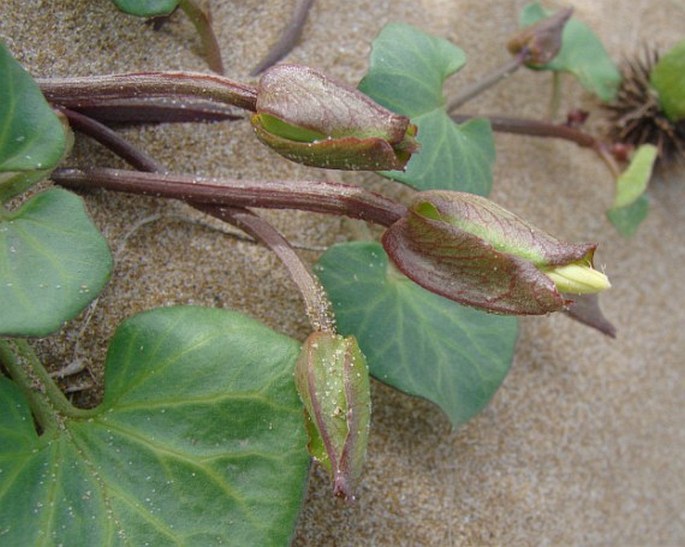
(312, 119)
(332, 379)
(540, 41)
(470, 250)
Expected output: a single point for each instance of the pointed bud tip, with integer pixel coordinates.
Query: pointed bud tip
(578, 279)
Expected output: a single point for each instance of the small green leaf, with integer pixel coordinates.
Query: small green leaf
(199, 441)
(147, 8)
(668, 78)
(582, 54)
(634, 180)
(53, 263)
(414, 340)
(627, 219)
(630, 205)
(407, 71)
(32, 137)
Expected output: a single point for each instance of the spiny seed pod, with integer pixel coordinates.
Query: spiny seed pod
(332, 379)
(472, 251)
(637, 114)
(312, 119)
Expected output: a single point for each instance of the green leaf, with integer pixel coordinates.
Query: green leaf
(630, 205)
(32, 137)
(627, 219)
(414, 340)
(199, 441)
(668, 78)
(407, 71)
(582, 54)
(147, 8)
(53, 263)
(634, 180)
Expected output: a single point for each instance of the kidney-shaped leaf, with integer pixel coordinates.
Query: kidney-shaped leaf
(414, 340)
(53, 263)
(582, 54)
(32, 138)
(199, 441)
(407, 71)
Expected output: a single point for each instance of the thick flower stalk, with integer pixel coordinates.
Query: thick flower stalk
(310, 118)
(469, 249)
(333, 382)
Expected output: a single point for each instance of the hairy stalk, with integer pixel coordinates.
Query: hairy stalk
(202, 21)
(317, 305)
(490, 79)
(91, 91)
(289, 38)
(315, 196)
(48, 403)
(538, 128)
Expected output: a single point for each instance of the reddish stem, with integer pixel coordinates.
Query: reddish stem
(91, 91)
(112, 141)
(315, 196)
(538, 128)
(317, 305)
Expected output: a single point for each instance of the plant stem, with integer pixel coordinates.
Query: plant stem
(111, 140)
(91, 91)
(317, 305)
(202, 21)
(48, 403)
(315, 196)
(538, 128)
(490, 79)
(42, 409)
(291, 34)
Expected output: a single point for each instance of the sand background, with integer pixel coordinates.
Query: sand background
(584, 442)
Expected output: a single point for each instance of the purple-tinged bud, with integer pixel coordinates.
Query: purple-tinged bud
(541, 41)
(470, 250)
(333, 382)
(312, 119)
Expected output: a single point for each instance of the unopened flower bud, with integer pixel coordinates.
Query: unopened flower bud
(541, 41)
(312, 119)
(332, 379)
(470, 250)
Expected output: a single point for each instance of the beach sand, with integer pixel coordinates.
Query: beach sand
(582, 444)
